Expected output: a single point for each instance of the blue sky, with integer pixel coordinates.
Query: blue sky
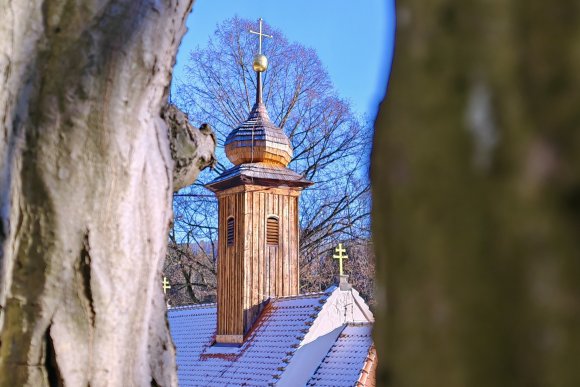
(354, 40)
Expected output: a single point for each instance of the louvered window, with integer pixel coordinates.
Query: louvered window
(231, 231)
(272, 230)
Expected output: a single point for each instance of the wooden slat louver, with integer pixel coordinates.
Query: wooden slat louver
(230, 231)
(272, 231)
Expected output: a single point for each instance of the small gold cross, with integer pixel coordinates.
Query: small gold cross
(340, 250)
(165, 285)
(260, 34)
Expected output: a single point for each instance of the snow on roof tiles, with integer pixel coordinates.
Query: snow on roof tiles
(262, 358)
(345, 359)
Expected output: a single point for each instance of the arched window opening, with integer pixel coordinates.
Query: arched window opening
(272, 230)
(231, 228)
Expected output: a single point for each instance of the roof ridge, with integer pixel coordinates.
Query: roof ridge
(192, 306)
(359, 323)
(304, 295)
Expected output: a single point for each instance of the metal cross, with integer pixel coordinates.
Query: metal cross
(165, 285)
(260, 34)
(340, 256)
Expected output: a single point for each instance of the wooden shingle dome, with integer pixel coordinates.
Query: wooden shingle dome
(258, 140)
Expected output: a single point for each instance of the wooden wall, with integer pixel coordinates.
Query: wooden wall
(230, 271)
(250, 271)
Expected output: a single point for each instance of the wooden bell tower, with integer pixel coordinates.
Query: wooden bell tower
(258, 219)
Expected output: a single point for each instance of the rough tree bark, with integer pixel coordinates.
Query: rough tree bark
(85, 190)
(476, 184)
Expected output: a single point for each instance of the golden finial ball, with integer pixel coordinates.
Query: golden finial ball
(260, 63)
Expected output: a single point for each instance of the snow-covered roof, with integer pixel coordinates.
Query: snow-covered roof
(344, 362)
(286, 346)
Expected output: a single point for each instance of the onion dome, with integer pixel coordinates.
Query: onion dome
(258, 148)
(258, 140)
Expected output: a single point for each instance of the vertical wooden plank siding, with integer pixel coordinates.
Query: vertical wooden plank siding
(289, 261)
(296, 249)
(251, 270)
(291, 264)
(261, 253)
(283, 245)
(248, 273)
(220, 266)
(227, 277)
(231, 273)
(227, 282)
(246, 230)
(226, 269)
(273, 251)
(238, 293)
(255, 248)
(271, 260)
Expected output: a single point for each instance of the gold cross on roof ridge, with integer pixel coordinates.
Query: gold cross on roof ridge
(340, 250)
(165, 285)
(260, 34)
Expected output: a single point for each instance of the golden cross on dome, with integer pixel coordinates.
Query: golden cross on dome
(165, 285)
(260, 34)
(340, 250)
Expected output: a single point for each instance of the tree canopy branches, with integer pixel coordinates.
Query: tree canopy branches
(331, 144)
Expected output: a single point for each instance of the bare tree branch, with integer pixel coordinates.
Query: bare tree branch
(330, 143)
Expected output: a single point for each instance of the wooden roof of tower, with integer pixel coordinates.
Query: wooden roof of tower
(258, 140)
(259, 150)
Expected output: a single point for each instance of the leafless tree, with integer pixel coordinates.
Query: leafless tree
(191, 273)
(331, 144)
(321, 268)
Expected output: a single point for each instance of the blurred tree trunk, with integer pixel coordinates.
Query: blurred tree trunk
(86, 182)
(476, 184)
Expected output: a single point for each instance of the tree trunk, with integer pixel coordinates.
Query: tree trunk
(85, 190)
(476, 184)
